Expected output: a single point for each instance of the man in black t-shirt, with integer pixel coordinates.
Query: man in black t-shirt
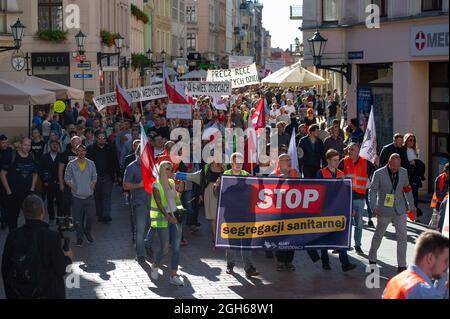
(64, 158)
(19, 177)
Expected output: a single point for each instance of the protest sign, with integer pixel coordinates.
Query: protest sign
(239, 77)
(237, 61)
(207, 88)
(284, 214)
(179, 111)
(274, 65)
(140, 94)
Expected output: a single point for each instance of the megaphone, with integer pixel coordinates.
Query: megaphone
(190, 177)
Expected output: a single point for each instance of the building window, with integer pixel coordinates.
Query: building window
(329, 11)
(50, 15)
(212, 17)
(191, 14)
(191, 41)
(431, 5)
(175, 10)
(382, 4)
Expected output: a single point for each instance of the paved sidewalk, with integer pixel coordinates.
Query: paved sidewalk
(108, 269)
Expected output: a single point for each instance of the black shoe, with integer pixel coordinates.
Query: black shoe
(79, 242)
(370, 224)
(348, 267)
(335, 252)
(107, 219)
(89, 238)
(401, 269)
(269, 254)
(281, 266)
(100, 219)
(140, 259)
(290, 266)
(251, 272)
(326, 267)
(359, 251)
(230, 269)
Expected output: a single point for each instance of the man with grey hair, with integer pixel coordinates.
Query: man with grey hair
(390, 195)
(33, 261)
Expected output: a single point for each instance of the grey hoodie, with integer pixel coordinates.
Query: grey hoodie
(81, 180)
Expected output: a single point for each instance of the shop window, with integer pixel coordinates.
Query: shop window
(50, 15)
(431, 5)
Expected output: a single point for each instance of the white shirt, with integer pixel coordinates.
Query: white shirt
(411, 154)
(289, 109)
(273, 116)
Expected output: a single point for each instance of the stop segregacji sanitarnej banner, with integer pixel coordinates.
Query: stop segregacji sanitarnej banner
(284, 214)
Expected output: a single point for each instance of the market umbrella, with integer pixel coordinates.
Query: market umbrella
(15, 93)
(295, 75)
(61, 91)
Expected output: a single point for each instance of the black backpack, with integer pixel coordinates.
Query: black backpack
(25, 274)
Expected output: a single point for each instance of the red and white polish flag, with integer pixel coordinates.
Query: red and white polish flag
(149, 166)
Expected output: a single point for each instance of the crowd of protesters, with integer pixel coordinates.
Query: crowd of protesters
(74, 160)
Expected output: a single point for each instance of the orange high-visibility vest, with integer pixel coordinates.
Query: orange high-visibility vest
(399, 286)
(357, 173)
(327, 173)
(436, 200)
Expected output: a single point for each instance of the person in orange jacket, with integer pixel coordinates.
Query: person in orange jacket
(331, 172)
(427, 278)
(440, 195)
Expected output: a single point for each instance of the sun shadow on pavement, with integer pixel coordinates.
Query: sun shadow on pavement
(101, 268)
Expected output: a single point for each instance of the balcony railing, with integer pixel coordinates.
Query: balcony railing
(296, 12)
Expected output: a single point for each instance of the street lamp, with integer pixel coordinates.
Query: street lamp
(17, 30)
(80, 39)
(118, 41)
(317, 45)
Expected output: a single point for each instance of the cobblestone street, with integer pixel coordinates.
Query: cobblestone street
(108, 269)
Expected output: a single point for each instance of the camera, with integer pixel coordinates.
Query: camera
(65, 224)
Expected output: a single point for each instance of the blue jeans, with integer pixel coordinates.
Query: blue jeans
(187, 201)
(103, 191)
(141, 221)
(169, 235)
(369, 211)
(358, 207)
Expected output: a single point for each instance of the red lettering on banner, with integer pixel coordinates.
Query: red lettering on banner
(277, 199)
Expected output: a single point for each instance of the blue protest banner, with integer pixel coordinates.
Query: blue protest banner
(284, 214)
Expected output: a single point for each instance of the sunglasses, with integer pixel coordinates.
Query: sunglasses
(411, 140)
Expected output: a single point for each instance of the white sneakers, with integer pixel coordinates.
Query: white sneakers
(176, 281)
(155, 273)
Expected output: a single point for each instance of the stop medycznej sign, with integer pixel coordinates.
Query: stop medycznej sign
(430, 40)
(59, 106)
